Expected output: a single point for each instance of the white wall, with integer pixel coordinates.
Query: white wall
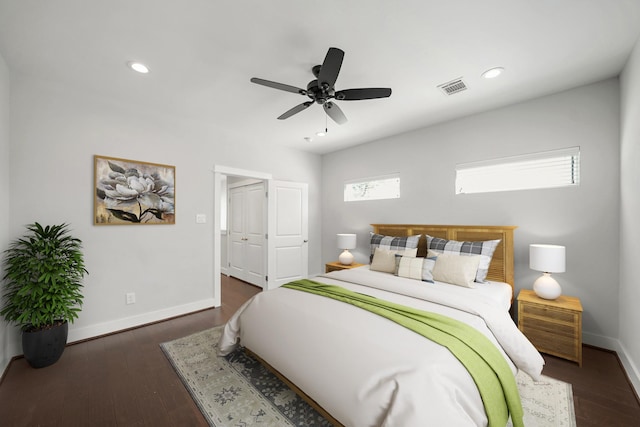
(5, 330)
(630, 215)
(56, 130)
(584, 219)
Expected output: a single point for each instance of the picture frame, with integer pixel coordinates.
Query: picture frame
(133, 192)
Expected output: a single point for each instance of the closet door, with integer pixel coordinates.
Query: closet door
(247, 233)
(236, 232)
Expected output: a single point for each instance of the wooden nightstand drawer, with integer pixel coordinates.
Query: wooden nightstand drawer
(553, 326)
(548, 327)
(544, 312)
(545, 342)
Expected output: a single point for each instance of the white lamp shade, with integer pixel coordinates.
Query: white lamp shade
(547, 258)
(346, 241)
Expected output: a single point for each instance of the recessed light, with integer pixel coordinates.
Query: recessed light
(492, 72)
(321, 133)
(308, 138)
(139, 67)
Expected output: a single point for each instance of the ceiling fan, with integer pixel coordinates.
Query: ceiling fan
(322, 91)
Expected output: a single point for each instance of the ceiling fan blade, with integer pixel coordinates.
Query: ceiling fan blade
(366, 93)
(295, 110)
(277, 85)
(335, 113)
(330, 67)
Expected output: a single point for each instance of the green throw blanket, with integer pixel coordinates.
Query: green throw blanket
(491, 373)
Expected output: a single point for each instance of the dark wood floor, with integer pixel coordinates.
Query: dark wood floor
(124, 379)
(602, 393)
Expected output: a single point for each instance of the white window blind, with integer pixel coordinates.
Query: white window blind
(557, 168)
(376, 188)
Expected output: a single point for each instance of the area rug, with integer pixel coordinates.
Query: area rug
(237, 390)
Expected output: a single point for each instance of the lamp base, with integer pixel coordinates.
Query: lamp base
(346, 258)
(547, 287)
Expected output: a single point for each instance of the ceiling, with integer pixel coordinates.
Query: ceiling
(202, 54)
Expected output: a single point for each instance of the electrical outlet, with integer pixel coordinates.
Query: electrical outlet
(131, 298)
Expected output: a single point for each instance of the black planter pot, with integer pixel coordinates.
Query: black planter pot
(44, 348)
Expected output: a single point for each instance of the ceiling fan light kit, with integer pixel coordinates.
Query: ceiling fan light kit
(322, 89)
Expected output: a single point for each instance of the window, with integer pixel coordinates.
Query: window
(549, 169)
(382, 187)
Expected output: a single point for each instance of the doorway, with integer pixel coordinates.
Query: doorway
(287, 233)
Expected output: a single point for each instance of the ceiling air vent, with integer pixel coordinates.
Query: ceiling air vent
(454, 86)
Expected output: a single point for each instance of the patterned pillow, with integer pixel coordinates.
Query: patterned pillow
(427, 269)
(484, 249)
(392, 243)
(415, 268)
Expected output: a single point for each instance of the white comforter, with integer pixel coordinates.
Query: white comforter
(366, 370)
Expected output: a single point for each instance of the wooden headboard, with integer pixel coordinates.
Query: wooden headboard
(501, 267)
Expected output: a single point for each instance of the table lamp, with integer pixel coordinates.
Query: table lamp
(548, 259)
(346, 242)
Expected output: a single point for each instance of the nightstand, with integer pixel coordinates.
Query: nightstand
(334, 266)
(553, 326)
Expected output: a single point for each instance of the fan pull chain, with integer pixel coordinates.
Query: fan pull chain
(325, 124)
(325, 127)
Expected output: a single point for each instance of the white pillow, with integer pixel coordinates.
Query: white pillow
(456, 269)
(385, 259)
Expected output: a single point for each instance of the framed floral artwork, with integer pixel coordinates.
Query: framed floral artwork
(133, 192)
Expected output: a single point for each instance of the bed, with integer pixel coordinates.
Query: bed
(361, 369)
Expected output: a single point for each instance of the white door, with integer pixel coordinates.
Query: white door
(246, 233)
(288, 232)
(255, 261)
(235, 232)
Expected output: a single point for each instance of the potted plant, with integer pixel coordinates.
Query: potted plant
(42, 290)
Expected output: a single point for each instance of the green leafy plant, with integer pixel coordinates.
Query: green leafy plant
(43, 278)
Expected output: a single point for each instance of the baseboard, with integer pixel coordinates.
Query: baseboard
(630, 368)
(600, 341)
(105, 328)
